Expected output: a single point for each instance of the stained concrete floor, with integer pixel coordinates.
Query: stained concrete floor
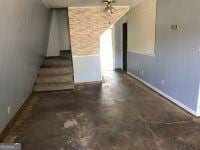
(122, 114)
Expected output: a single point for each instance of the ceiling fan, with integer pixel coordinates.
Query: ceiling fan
(109, 6)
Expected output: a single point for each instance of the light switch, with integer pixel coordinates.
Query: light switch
(174, 27)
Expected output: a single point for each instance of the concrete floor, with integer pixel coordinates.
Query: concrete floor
(122, 114)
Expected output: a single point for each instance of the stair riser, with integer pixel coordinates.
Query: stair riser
(55, 79)
(55, 71)
(39, 88)
(58, 63)
(56, 74)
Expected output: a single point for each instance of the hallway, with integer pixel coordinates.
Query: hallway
(122, 114)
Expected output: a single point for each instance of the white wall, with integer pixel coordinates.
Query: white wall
(24, 31)
(106, 50)
(141, 27)
(87, 68)
(59, 38)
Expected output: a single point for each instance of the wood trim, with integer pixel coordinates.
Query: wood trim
(52, 57)
(89, 83)
(69, 51)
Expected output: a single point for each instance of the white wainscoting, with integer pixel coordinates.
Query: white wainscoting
(87, 68)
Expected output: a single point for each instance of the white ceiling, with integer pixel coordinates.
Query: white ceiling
(85, 3)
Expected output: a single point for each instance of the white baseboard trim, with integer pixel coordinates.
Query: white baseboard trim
(198, 104)
(166, 96)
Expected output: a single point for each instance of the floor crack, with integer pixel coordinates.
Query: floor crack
(171, 123)
(156, 139)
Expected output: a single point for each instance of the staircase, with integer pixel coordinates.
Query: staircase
(56, 74)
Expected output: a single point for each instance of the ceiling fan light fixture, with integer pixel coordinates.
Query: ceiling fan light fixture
(109, 8)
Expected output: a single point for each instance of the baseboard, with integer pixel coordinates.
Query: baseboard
(166, 96)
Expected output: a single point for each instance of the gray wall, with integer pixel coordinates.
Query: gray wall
(54, 38)
(63, 23)
(24, 29)
(59, 38)
(177, 55)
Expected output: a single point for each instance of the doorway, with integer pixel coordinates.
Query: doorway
(106, 50)
(125, 46)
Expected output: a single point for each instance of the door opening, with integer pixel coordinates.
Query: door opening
(106, 50)
(125, 46)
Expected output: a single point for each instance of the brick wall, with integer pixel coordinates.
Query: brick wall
(86, 26)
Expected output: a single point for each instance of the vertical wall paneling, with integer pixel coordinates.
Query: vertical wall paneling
(174, 71)
(24, 31)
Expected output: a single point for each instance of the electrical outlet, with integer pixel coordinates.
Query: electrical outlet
(9, 110)
(162, 82)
